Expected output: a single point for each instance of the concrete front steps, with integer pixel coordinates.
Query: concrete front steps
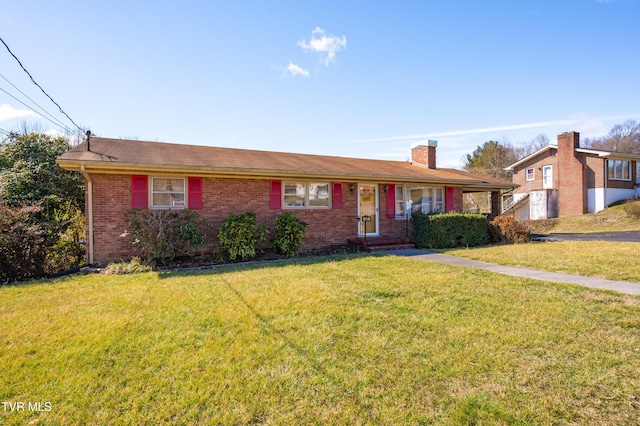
(375, 244)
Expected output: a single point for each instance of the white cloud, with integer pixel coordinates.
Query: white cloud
(7, 112)
(327, 46)
(293, 70)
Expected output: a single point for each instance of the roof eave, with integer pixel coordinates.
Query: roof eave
(128, 168)
(530, 156)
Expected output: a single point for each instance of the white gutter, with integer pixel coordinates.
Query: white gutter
(89, 210)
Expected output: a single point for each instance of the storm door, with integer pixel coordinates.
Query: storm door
(368, 209)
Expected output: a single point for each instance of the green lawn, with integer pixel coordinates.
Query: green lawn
(345, 340)
(608, 220)
(613, 261)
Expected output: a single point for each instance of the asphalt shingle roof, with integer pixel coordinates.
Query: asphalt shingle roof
(119, 154)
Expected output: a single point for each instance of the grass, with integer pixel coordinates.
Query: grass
(611, 219)
(600, 259)
(344, 340)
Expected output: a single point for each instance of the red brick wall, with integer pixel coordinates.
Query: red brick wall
(424, 155)
(221, 196)
(547, 158)
(111, 199)
(572, 190)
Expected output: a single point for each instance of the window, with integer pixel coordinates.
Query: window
(530, 174)
(619, 170)
(294, 194)
(400, 206)
(438, 197)
(547, 177)
(167, 192)
(419, 199)
(318, 195)
(301, 195)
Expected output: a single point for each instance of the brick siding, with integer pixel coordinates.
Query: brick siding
(221, 196)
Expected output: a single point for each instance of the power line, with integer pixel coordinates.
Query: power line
(39, 87)
(60, 123)
(46, 118)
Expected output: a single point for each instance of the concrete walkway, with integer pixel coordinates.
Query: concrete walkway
(619, 286)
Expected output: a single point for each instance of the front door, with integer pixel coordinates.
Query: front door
(368, 209)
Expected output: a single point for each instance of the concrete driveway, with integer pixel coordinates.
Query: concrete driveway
(622, 236)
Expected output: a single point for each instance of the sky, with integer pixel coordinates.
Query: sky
(363, 79)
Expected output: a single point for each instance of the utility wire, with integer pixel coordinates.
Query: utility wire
(46, 118)
(60, 123)
(39, 87)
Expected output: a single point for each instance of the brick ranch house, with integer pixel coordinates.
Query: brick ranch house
(332, 194)
(566, 180)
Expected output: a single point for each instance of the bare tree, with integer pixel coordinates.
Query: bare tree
(623, 137)
(539, 142)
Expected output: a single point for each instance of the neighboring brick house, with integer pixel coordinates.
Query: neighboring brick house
(566, 180)
(332, 194)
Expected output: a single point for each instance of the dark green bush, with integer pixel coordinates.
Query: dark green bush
(447, 230)
(288, 234)
(239, 234)
(507, 229)
(165, 234)
(23, 244)
(67, 252)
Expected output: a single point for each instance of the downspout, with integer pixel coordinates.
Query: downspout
(606, 182)
(89, 214)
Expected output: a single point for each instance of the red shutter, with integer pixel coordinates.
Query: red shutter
(448, 202)
(391, 200)
(336, 201)
(275, 199)
(139, 192)
(195, 192)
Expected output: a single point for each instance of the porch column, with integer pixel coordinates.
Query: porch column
(496, 204)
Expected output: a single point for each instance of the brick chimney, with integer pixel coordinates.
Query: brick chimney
(572, 189)
(425, 155)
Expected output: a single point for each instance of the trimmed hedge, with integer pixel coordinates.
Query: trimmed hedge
(447, 230)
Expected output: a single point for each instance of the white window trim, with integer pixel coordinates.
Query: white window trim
(408, 203)
(307, 205)
(614, 170)
(186, 193)
(526, 174)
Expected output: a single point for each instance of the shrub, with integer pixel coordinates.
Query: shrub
(165, 234)
(446, 230)
(23, 244)
(508, 229)
(67, 252)
(134, 266)
(32, 246)
(632, 209)
(288, 234)
(239, 234)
